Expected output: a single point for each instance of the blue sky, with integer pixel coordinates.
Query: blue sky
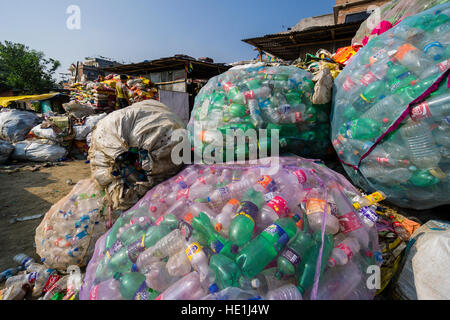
(136, 30)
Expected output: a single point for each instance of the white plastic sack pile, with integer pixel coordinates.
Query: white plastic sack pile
(38, 150)
(5, 150)
(15, 124)
(146, 126)
(67, 234)
(46, 133)
(81, 132)
(427, 259)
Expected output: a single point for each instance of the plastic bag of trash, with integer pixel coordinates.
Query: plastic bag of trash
(130, 151)
(255, 227)
(259, 96)
(38, 150)
(78, 110)
(425, 266)
(391, 12)
(6, 149)
(81, 131)
(15, 124)
(391, 116)
(68, 232)
(45, 133)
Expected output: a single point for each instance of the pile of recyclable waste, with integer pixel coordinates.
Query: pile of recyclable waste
(267, 230)
(259, 96)
(390, 122)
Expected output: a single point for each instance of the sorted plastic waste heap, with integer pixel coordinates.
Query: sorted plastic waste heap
(247, 231)
(410, 161)
(259, 96)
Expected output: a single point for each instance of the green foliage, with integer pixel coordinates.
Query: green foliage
(25, 69)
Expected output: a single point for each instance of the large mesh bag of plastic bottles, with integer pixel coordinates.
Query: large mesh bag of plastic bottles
(260, 96)
(392, 12)
(130, 151)
(391, 108)
(67, 234)
(279, 228)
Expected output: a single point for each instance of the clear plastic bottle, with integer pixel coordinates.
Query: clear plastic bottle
(158, 276)
(178, 264)
(442, 133)
(422, 148)
(369, 200)
(343, 252)
(166, 247)
(23, 260)
(315, 206)
(223, 219)
(435, 108)
(59, 286)
(286, 292)
(187, 288)
(412, 58)
(339, 283)
(106, 290)
(386, 110)
(230, 293)
(198, 258)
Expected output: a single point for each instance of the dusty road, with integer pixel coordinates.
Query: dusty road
(26, 193)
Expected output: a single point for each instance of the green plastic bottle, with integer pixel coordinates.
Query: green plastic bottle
(237, 110)
(361, 129)
(133, 286)
(289, 259)
(371, 93)
(243, 224)
(219, 244)
(307, 268)
(423, 178)
(254, 257)
(227, 272)
(123, 260)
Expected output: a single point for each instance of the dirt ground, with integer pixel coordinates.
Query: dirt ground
(27, 193)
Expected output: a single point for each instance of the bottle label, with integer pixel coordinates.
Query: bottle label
(301, 176)
(348, 84)
(249, 94)
(32, 277)
(405, 48)
(264, 181)
(277, 232)
(217, 246)
(142, 293)
(158, 222)
(51, 282)
(346, 250)
(183, 193)
(368, 79)
(369, 214)
(224, 193)
(349, 222)
(316, 205)
(421, 111)
(269, 196)
(444, 65)
(245, 214)
(374, 197)
(94, 293)
(291, 256)
(298, 117)
(114, 248)
(193, 249)
(135, 249)
(279, 205)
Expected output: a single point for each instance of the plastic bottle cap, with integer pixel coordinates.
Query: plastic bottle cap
(256, 283)
(153, 209)
(162, 200)
(234, 248)
(213, 288)
(368, 253)
(331, 262)
(218, 227)
(134, 268)
(189, 217)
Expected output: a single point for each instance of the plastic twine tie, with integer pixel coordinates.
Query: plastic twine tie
(404, 114)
